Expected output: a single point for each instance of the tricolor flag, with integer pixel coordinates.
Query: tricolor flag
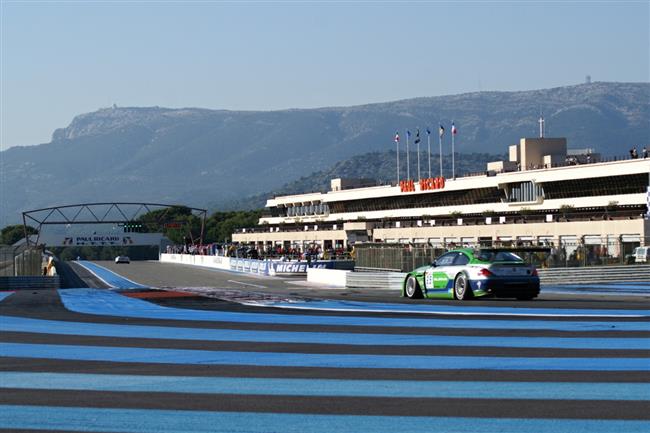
(454, 131)
(428, 131)
(441, 131)
(397, 137)
(417, 137)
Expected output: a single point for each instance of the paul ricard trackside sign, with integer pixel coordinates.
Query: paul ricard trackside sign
(67, 238)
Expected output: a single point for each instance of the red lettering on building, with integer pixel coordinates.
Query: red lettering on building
(432, 183)
(425, 184)
(406, 185)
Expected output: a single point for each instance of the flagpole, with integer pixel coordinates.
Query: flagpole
(453, 155)
(453, 158)
(418, 142)
(408, 169)
(397, 146)
(429, 146)
(441, 132)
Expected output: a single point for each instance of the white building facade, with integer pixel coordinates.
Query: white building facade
(603, 203)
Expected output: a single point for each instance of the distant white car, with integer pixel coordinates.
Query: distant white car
(641, 254)
(122, 259)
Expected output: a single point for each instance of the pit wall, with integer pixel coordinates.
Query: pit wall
(329, 277)
(215, 262)
(252, 266)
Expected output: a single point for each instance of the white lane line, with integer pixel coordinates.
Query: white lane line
(248, 284)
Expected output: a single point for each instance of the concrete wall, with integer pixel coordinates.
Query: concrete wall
(501, 166)
(331, 277)
(532, 151)
(513, 153)
(216, 262)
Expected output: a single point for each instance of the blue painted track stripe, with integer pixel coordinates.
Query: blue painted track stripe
(107, 303)
(328, 387)
(174, 421)
(272, 359)
(4, 295)
(336, 305)
(22, 324)
(109, 277)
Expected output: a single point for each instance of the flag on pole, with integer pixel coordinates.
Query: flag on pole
(417, 136)
(397, 137)
(408, 134)
(454, 131)
(441, 131)
(428, 131)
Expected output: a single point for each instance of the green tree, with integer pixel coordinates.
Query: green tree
(176, 222)
(12, 234)
(221, 225)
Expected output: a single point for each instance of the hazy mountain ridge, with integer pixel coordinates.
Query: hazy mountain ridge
(199, 156)
(380, 166)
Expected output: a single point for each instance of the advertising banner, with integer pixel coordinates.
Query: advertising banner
(258, 267)
(98, 239)
(250, 266)
(298, 268)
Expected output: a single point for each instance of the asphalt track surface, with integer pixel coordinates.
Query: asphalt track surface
(143, 360)
(173, 276)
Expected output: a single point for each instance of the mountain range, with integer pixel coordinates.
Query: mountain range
(215, 158)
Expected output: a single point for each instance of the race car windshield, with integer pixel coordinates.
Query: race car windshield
(497, 256)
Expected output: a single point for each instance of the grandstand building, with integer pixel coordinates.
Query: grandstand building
(543, 194)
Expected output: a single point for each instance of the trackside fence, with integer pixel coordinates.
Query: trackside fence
(20, 261)
(562, 252)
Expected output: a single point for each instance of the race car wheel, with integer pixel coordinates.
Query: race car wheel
(461, 288)
(412, 288)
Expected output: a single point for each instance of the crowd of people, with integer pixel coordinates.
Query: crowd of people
(635, 155)
(313, 252)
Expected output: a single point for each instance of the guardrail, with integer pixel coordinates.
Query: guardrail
(369, 269)
(387, 280)
(595, 274)
(375, 280)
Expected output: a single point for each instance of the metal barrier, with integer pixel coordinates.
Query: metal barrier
(375, 280)
(588, 275)
(392, 257)
(598, 274)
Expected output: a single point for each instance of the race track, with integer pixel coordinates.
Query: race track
(141, 360)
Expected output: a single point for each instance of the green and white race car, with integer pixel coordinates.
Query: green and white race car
(465, 273)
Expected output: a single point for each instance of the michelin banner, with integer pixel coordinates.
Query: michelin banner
(272, 268)
(258, 267)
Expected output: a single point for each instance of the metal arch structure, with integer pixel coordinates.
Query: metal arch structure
(104, 213)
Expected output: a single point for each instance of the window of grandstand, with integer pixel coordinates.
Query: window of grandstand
(610, 185)
(444, 198)
(525, 191)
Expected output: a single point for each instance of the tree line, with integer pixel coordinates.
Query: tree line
(177, 223)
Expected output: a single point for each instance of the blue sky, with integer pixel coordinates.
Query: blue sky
(60, 59)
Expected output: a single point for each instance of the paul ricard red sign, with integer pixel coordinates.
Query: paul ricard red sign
(427, 184)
